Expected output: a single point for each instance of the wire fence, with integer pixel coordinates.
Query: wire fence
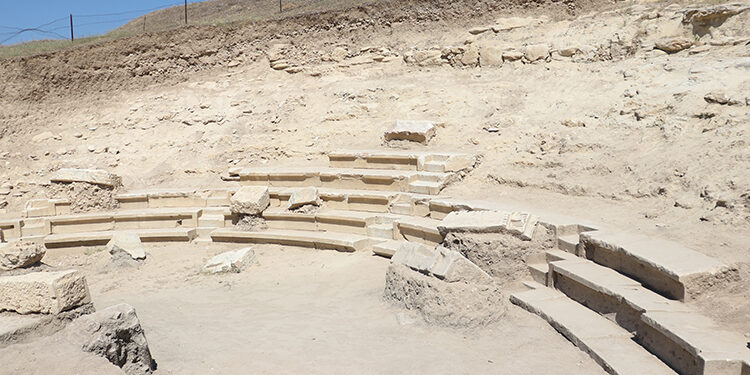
(84, 25)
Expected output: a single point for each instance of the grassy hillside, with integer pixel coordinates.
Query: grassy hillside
(213, 12)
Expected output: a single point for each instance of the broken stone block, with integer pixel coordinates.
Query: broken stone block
(416, 256)
(20, 254)
(91, 176)
(453, 267)
(474, 221)
(231, 261)
(512, 55)
(428, 57)
(116, 334)
(673, 45)
(470, 56)
(410, 130)
(250, 200)
(303, 197)
(536, 52)
(43, 292)
(128, 243)
(490, 56)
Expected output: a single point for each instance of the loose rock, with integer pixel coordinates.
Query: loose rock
(128, 243)
(231, 261)
(20, 254)
(250, 200)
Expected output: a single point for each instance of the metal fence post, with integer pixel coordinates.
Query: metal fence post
(185, 12)
(71, 28)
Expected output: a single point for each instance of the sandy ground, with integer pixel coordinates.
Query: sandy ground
(299, 311)
(625, 141)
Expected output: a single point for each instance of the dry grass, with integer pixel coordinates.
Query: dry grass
(212, 12)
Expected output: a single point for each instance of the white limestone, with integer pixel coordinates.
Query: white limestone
(43, 292)
(250, 200)
(411, 130)
(91, 176)
(230, 261)
(128, 243)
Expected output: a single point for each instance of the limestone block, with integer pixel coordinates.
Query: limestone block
(536, 52)
(116, 334)
(521, 224)
(510, 23)
(470, 56)
(91, 176)
(128, 243)
(231, 261)
(250, 200)
(673, 45)
(452, 267)
(479, 30)
(43, 292)
(19, 254)
(490, 56)
(428, 57)
(410, 130)
(302, 197)
(416, 256)
(512, 55)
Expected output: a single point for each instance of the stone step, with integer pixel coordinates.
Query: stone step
(679, 335)
(609, 345)
(664, 266)
(211, 221)
(568, 243)
(340, 178)
(418, 229)
(319, 240)
(101, 238)
(401, 160)
(380, 231)
(426, 187)
(539, 272)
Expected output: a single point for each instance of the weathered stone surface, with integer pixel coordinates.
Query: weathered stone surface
(417, 256)
(479, 30)
(114, 333)
(456, 304)
(91, 176)
(470, 56)
(442, 263)
(521, 224)
(510, 23)
(673, 45)
(428, 57)
(303, 197)
(128, 243)
(250, 200)
(411, 130)
(512, 55)
(231, 261)
(43, 292)
(19, 254)
(490, 56)
(339, 54)
(536, 52)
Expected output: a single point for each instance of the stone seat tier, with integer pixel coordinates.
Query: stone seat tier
(342, 178)
(650, 315)
(607, 343)
(664, 266)
(102, 237)
(402, 227)
(401, 160)
(319, 240)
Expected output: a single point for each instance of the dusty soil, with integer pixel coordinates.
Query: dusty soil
(295, 310)
(620, 135)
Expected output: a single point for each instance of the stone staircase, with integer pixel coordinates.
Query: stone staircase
(619, 297)
(633, 288)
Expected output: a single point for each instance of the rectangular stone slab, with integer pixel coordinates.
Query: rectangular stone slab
(43, 292)
(91, 176)
(609, 345)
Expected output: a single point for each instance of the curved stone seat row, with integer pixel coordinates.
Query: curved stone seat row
(594, 273)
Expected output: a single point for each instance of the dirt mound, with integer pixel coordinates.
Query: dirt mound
(458, 304)
(85, 197)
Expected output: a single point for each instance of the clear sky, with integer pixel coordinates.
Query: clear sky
(90, 17)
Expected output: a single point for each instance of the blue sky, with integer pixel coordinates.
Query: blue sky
(90, 17)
